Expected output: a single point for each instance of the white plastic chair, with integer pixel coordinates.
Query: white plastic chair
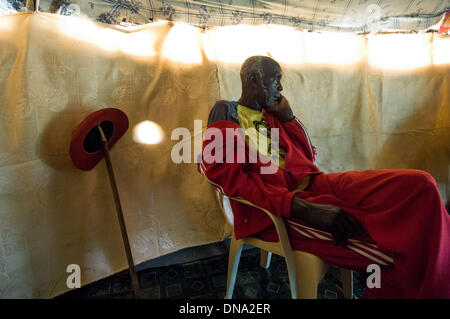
(305, 270)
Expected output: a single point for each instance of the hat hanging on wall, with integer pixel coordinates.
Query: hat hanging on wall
(86, 148)
(91, 141)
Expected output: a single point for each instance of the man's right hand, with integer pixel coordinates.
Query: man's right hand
(281, 110)
(329, 218)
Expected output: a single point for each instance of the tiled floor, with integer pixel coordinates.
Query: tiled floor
(206, 278)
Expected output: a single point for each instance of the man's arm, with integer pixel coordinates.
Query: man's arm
(227, 173)
(325, 217)
(330, 218)
(295, 129)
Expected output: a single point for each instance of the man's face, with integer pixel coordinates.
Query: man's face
(270, 85)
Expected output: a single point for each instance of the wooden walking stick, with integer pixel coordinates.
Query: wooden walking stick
(123, 230)
(90, 142)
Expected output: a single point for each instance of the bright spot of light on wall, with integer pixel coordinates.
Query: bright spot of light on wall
(441, 51)
(332, 48)
(6, 24)
(108, 39)
(284, 44)
(148, 132)
(287, 45)
(84, 31)
(234, 44)
(182, 44)
(138, 43)
(399, 51)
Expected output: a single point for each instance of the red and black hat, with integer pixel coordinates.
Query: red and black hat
(86, 144)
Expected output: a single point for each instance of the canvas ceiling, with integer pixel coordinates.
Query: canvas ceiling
(380, 101)
(333, 15)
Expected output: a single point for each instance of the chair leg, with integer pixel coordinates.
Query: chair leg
(265, 257)
(233, 264)
(292, 273)
(311, 270)
(347, 283)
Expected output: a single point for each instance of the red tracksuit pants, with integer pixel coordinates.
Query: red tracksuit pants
(403, 213)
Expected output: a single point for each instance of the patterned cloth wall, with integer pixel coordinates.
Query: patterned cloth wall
(332, 15)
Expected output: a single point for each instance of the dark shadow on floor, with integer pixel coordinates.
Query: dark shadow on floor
(206, 277)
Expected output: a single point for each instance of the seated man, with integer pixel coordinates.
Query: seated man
(394, 218)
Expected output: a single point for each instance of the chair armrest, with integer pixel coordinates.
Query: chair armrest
(279, 223)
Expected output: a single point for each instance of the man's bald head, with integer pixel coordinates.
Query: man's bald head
(261, 76)
(257, 64)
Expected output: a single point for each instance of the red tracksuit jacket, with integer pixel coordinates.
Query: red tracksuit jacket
(244, 180)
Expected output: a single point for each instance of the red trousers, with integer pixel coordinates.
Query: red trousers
(403, 213)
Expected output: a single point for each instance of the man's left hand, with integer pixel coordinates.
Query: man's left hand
(281, 110)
